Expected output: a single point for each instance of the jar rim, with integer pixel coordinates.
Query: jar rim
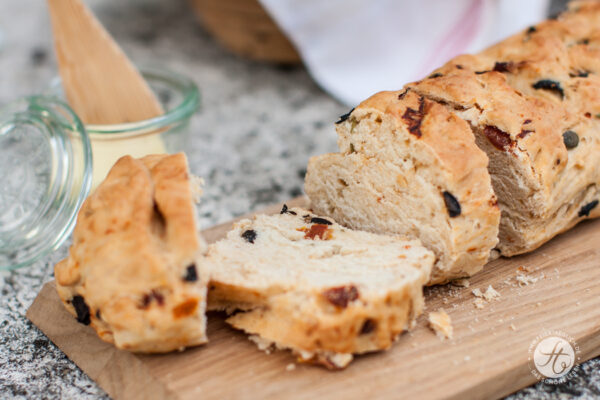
(182, 111)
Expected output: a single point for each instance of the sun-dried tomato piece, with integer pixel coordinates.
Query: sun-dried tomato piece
(500, 139)
(185, 309)
(341, 296)
(318, 230)
(414, 118)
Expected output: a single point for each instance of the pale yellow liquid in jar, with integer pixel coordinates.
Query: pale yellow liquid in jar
(106, 152)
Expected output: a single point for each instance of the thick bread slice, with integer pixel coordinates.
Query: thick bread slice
(133, 270)
(308, 284)
(409, 166)
(533, 102)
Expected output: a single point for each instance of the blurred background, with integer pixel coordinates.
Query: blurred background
(269, 90)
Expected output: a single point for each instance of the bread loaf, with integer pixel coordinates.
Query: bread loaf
(533, 103)
(409, 166)
(326, 292)
(134, 270)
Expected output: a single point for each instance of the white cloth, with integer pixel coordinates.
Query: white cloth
(354, 48)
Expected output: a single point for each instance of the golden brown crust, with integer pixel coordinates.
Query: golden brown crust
(401, 156)
(312, 293)
(549, 77)
(134, 241)
(361, 327)
(444, 133)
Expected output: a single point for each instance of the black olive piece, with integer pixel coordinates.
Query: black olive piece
(503, 66)
(98, 316)
(344, 117)
(579, 74)
(571, 139)
(368, 326)
(285, 210)
(191, 274)
(317, 220)
(585, 210)
(547, 84)
(452, 205)
(436, 75)
(531, 29)
(249, 235)
(82, 309)
(480, 72)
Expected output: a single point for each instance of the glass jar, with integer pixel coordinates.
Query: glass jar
(49, 161)
(168, 133)
(45, 174)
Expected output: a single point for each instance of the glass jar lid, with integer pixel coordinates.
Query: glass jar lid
(45, 175)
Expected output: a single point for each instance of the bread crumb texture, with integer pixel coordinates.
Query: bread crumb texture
(441, 324)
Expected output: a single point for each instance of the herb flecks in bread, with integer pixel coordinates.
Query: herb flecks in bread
(134, 271)
(324, 296)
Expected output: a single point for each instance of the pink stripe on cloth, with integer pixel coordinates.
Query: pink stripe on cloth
(456, 40)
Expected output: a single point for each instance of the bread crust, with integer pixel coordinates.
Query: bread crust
(309, 293)
(442, 152)
(534, 88)
(130, 263)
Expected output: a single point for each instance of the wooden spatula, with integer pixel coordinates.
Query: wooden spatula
(100, 82)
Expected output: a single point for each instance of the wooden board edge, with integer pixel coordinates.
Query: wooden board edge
(98, 359)
(590, 348)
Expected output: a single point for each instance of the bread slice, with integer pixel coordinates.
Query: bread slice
(134, 270)
(533, 102)
(326, 292)
(409, 166)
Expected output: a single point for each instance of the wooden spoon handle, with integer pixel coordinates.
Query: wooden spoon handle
(101, 84)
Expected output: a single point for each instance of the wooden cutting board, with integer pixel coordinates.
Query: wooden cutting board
(487, 358)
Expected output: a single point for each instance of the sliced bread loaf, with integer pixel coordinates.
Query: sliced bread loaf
(326, 292)
(409, 166)
(132, 272)
(533, 102)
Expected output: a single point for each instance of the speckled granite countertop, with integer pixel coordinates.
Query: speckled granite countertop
(257, 128)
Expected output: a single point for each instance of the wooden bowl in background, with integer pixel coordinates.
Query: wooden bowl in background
(245, 28)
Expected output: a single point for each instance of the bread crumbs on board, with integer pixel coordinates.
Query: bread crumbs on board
(461, 282)
(441, 324)
(489, 295)
(523, 279)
